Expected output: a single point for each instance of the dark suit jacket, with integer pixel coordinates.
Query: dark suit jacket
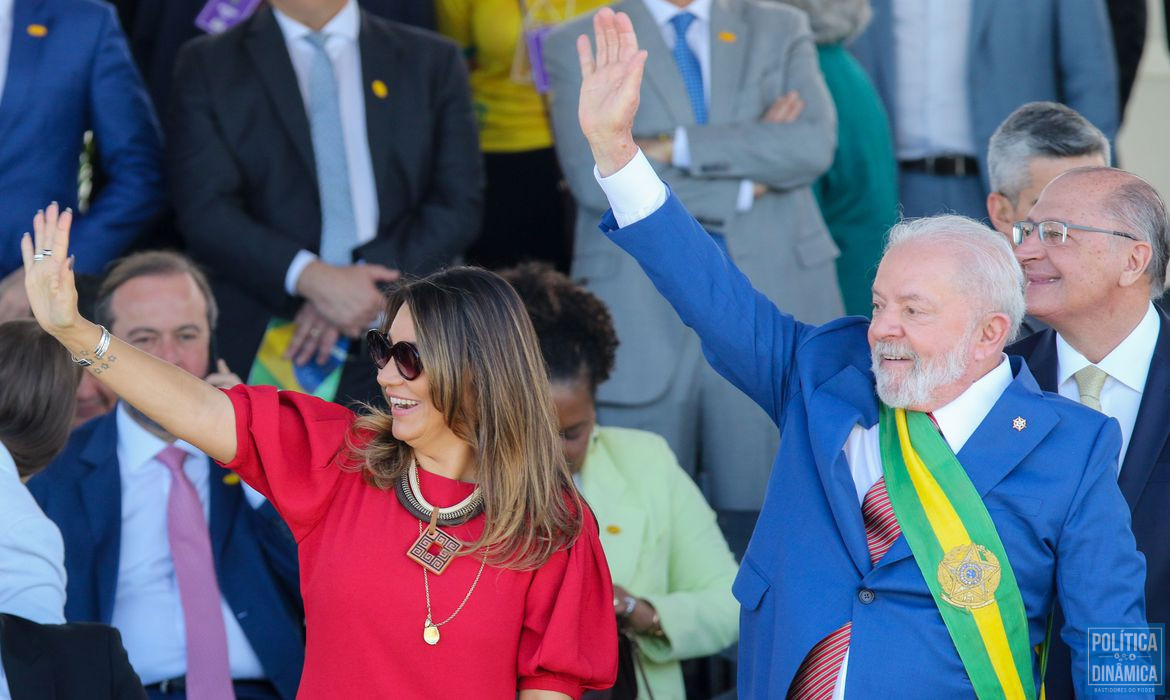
(69, 71)
(254, 552)
(157, 28)
(63, 662)
(1144, 479)
(244, 180)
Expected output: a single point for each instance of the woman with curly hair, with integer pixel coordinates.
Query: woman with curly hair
(672, 569)
(444, 551)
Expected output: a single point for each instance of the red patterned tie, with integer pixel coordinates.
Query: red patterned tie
(817, 676)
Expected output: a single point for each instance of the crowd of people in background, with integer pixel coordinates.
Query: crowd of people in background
(243, 189)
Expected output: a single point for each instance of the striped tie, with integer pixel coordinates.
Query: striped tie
(817, 675)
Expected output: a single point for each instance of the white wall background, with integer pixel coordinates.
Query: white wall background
(1143, 145)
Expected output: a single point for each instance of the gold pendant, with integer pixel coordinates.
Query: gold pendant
(434, 549)
(430, 633)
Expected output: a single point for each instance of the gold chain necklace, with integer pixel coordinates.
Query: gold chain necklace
(430, 628)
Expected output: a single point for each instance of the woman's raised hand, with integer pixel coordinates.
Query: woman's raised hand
(48, 270)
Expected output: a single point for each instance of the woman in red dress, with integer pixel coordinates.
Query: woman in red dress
(444, 551)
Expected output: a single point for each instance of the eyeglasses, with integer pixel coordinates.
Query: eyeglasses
(1055, 233)
(404, 354)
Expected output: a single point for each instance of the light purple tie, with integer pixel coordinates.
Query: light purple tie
(208, 673)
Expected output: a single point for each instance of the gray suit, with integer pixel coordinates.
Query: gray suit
(661, 383)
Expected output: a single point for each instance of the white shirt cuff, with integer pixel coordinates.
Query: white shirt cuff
(680, 156)
(746, 197)
(295, 268)
(634, 192)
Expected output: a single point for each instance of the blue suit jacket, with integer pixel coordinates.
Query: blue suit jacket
(255, 556)
(69, 71)
(1049, 489)
(1144, 479)
(1018, 52)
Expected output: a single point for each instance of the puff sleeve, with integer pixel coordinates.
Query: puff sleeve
(287, 448)
(569, 640)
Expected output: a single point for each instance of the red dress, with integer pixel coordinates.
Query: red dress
(551, 629)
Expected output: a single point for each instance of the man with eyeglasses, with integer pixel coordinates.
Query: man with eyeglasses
(1094, 253)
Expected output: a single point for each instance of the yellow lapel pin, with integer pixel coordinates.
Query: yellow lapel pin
(613, 529)
(729, 37)
(380, 89)
(37, 30)
(231, 479)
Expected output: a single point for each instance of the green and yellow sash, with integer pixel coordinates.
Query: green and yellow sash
(955, 543)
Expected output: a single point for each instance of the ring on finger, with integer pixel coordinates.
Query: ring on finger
(45, 253)
(38, 257)
(314, 332)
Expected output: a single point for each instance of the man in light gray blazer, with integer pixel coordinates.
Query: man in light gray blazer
(950, 72)
(738, 122)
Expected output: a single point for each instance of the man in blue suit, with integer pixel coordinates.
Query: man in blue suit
(950, 72)
(834, 599)
(1108, 345)
(133, 559)
(65, 70)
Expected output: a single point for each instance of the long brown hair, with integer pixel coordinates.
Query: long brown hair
(38, 394)
(486, 376)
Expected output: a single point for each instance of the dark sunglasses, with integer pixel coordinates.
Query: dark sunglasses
(404, 354)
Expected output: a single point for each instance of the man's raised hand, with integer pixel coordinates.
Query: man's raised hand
(611, 80)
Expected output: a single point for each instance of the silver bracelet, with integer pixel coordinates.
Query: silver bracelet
(99, 352)
(631, 604)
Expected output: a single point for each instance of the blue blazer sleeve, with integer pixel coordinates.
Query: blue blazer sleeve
(1098, 583)
(129, 144)
(744, 336)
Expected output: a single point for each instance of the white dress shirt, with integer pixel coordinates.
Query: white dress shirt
(32, 553)
(699, 40)
(932, 107)
(147, 608)
(1127, 366)
(342, 46)
(5, 43)
(635, 192)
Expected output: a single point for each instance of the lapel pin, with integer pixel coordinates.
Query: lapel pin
(231, 479)
(728, 37)
(1019, 423)
(613, 529)
(380, 89)
(37, 30)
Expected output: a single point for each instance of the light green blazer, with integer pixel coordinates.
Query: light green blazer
(663, 545)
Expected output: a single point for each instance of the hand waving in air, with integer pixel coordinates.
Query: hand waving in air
(48, 271)
(611, 81)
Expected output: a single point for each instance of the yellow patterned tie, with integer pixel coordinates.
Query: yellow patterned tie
(1089, 382)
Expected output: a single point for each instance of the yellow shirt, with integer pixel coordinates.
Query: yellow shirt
(509, 110)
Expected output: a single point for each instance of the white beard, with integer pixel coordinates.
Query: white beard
(917, 388)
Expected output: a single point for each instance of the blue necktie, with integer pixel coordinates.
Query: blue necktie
(688, 66)
(338, 223)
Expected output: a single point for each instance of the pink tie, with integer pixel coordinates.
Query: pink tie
(208, 673)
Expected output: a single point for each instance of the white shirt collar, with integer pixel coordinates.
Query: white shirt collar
(662, 11)
(344, 24)
(139, 445)
(959, 419)
(1128, 363)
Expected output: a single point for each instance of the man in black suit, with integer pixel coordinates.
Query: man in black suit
(1094, 252)
(63, 662)
(316, 152)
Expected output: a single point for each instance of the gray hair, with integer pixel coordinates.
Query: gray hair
(988, 270)
(835, 21)
(1039, 129)
(1138, 209)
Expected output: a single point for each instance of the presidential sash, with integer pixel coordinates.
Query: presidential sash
(959, 552)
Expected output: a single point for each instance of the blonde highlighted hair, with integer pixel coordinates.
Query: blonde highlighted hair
(486, 375)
